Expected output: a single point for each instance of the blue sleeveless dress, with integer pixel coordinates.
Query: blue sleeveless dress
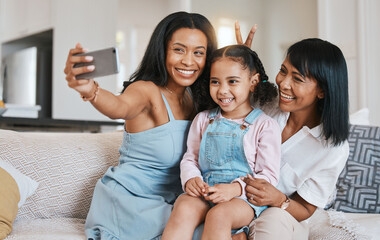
(134, 200)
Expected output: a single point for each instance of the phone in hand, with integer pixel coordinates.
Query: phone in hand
(106, 62)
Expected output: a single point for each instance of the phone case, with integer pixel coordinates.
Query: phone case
(106, 62)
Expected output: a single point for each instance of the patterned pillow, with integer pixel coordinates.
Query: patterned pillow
(358, 186)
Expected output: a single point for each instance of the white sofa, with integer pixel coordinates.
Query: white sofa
(67, 166)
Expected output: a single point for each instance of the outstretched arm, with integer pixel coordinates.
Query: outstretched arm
(125, 106)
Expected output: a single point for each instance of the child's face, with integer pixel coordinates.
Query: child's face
(231, 87)
(186, 56)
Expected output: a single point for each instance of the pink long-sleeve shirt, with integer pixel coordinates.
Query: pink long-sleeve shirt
(262, 147)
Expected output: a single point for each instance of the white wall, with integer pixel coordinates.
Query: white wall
(371, 64)
(280, 23)
(135, 25)
(93, 24)
(287, 22)
(356, 30)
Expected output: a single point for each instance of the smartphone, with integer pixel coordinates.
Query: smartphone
(106, 62)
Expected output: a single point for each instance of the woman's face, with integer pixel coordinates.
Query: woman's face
(298, 93)
(186, 56)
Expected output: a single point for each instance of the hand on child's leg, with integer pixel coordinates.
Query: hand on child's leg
(187, 214)
(225, 216)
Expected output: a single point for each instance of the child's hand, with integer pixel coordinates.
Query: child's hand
(223, 192)
(196, 187)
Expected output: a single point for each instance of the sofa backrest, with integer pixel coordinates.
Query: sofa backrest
(66, 166)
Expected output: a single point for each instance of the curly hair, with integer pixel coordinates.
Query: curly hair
(265, 91)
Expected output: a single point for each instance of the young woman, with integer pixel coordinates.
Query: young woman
(134, 199)
(224, 144)
(313, 116)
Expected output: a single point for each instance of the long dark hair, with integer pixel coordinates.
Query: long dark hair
(153, 68)
(324, 62)
(265, 91)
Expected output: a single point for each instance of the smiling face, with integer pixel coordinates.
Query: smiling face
(185, 57)
(298, 93)
(231, 86)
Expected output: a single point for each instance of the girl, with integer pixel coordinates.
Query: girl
(224, 144)
(313, 114)
(134, 199)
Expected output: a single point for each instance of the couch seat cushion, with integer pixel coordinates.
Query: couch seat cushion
(47, 229)
(336, 225)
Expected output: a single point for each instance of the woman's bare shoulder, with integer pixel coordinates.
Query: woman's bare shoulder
(146, 88)
(143, 85)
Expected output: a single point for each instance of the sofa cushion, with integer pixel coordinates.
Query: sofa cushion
(358, 185)
(48, 229)
(66, 165)
(337, 225)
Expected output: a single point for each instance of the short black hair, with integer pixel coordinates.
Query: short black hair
(153, 67)
(324, 62)
(265, 92)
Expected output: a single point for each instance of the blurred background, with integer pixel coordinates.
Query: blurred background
(43, 31)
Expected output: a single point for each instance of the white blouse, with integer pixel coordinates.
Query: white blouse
(310, 165)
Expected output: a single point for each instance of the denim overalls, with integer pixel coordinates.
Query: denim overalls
(221, 155)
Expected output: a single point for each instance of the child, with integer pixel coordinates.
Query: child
(224, 144)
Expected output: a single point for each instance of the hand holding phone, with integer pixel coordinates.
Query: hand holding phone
(106, 62)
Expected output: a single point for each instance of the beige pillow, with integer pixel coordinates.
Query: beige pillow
(15, 188)
(9, 198)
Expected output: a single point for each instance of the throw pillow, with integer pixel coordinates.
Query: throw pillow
(358, 185)
(9, 197)
(14, 189)
(26, 185)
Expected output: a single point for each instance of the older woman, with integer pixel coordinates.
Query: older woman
(313, 115)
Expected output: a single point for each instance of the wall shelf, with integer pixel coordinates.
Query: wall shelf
(31, 124)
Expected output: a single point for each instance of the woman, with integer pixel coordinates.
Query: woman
(134, 199)
(313, 115)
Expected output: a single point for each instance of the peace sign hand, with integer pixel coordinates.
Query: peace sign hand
(239, 39)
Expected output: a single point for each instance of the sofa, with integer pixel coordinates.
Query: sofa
(56, 174)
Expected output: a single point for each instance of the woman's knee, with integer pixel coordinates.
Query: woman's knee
(277, 216)
(273, 223)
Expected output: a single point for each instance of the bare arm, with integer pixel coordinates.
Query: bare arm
(125, 106)
(128, 105)
(299, 208)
